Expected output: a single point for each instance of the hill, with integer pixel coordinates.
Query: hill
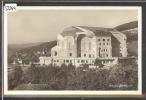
(30, 51)
(127, 26)
(131, 31)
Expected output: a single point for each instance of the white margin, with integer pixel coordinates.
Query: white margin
(76, 93)
(2, 51)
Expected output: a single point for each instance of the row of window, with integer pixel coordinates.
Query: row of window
(70, 54)
(70, 61)
(104, 55)
(81, 61)
(103, 39)
(103, 43)
(85, 55)
(104, 50)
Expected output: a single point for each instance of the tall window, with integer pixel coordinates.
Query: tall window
(78, 61)
(89, 55)
(55, 53)
(69, 41)
(67, 61)
(89, 45)
(62, 44)
(70, 54)
(84, 44)
(69, 45)
(82, 61)
(106, 55)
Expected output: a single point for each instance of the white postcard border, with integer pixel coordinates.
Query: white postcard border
(76, 93)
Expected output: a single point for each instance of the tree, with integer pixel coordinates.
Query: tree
(33, 58)
(98, 63)
(85, 66)
(14, 77)
(63, 65)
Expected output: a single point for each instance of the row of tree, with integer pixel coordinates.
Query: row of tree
(81, 78)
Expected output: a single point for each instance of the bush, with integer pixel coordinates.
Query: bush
(126, 75)
(81, 78)
(14, 77)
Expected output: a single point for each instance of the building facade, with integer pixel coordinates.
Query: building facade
(80, 45)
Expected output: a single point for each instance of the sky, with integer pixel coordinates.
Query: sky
(31, 26)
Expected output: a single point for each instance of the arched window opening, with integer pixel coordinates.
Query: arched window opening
(89, 45)
(70, 54)
(89, 55)
(84, 55)
(55, 53)
(62, 44)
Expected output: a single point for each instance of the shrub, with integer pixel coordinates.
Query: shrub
(14, 77)
(81, 78)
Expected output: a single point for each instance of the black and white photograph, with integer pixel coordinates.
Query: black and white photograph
(94, 50)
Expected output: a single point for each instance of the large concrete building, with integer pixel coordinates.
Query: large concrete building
(81, 44)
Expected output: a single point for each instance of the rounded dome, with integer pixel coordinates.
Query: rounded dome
(70, 31)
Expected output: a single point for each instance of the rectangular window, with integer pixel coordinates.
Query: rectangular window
(84, 45)
(69, 45)
(82, 61)
(89, 45)
(62, 44)
(89, 55)
(55, 53)
(67, 61)
(70, 54)
(102, 62)
(86, 61)
(78, 61)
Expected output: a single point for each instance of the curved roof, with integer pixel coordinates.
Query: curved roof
(98, 31)
(70, 31)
